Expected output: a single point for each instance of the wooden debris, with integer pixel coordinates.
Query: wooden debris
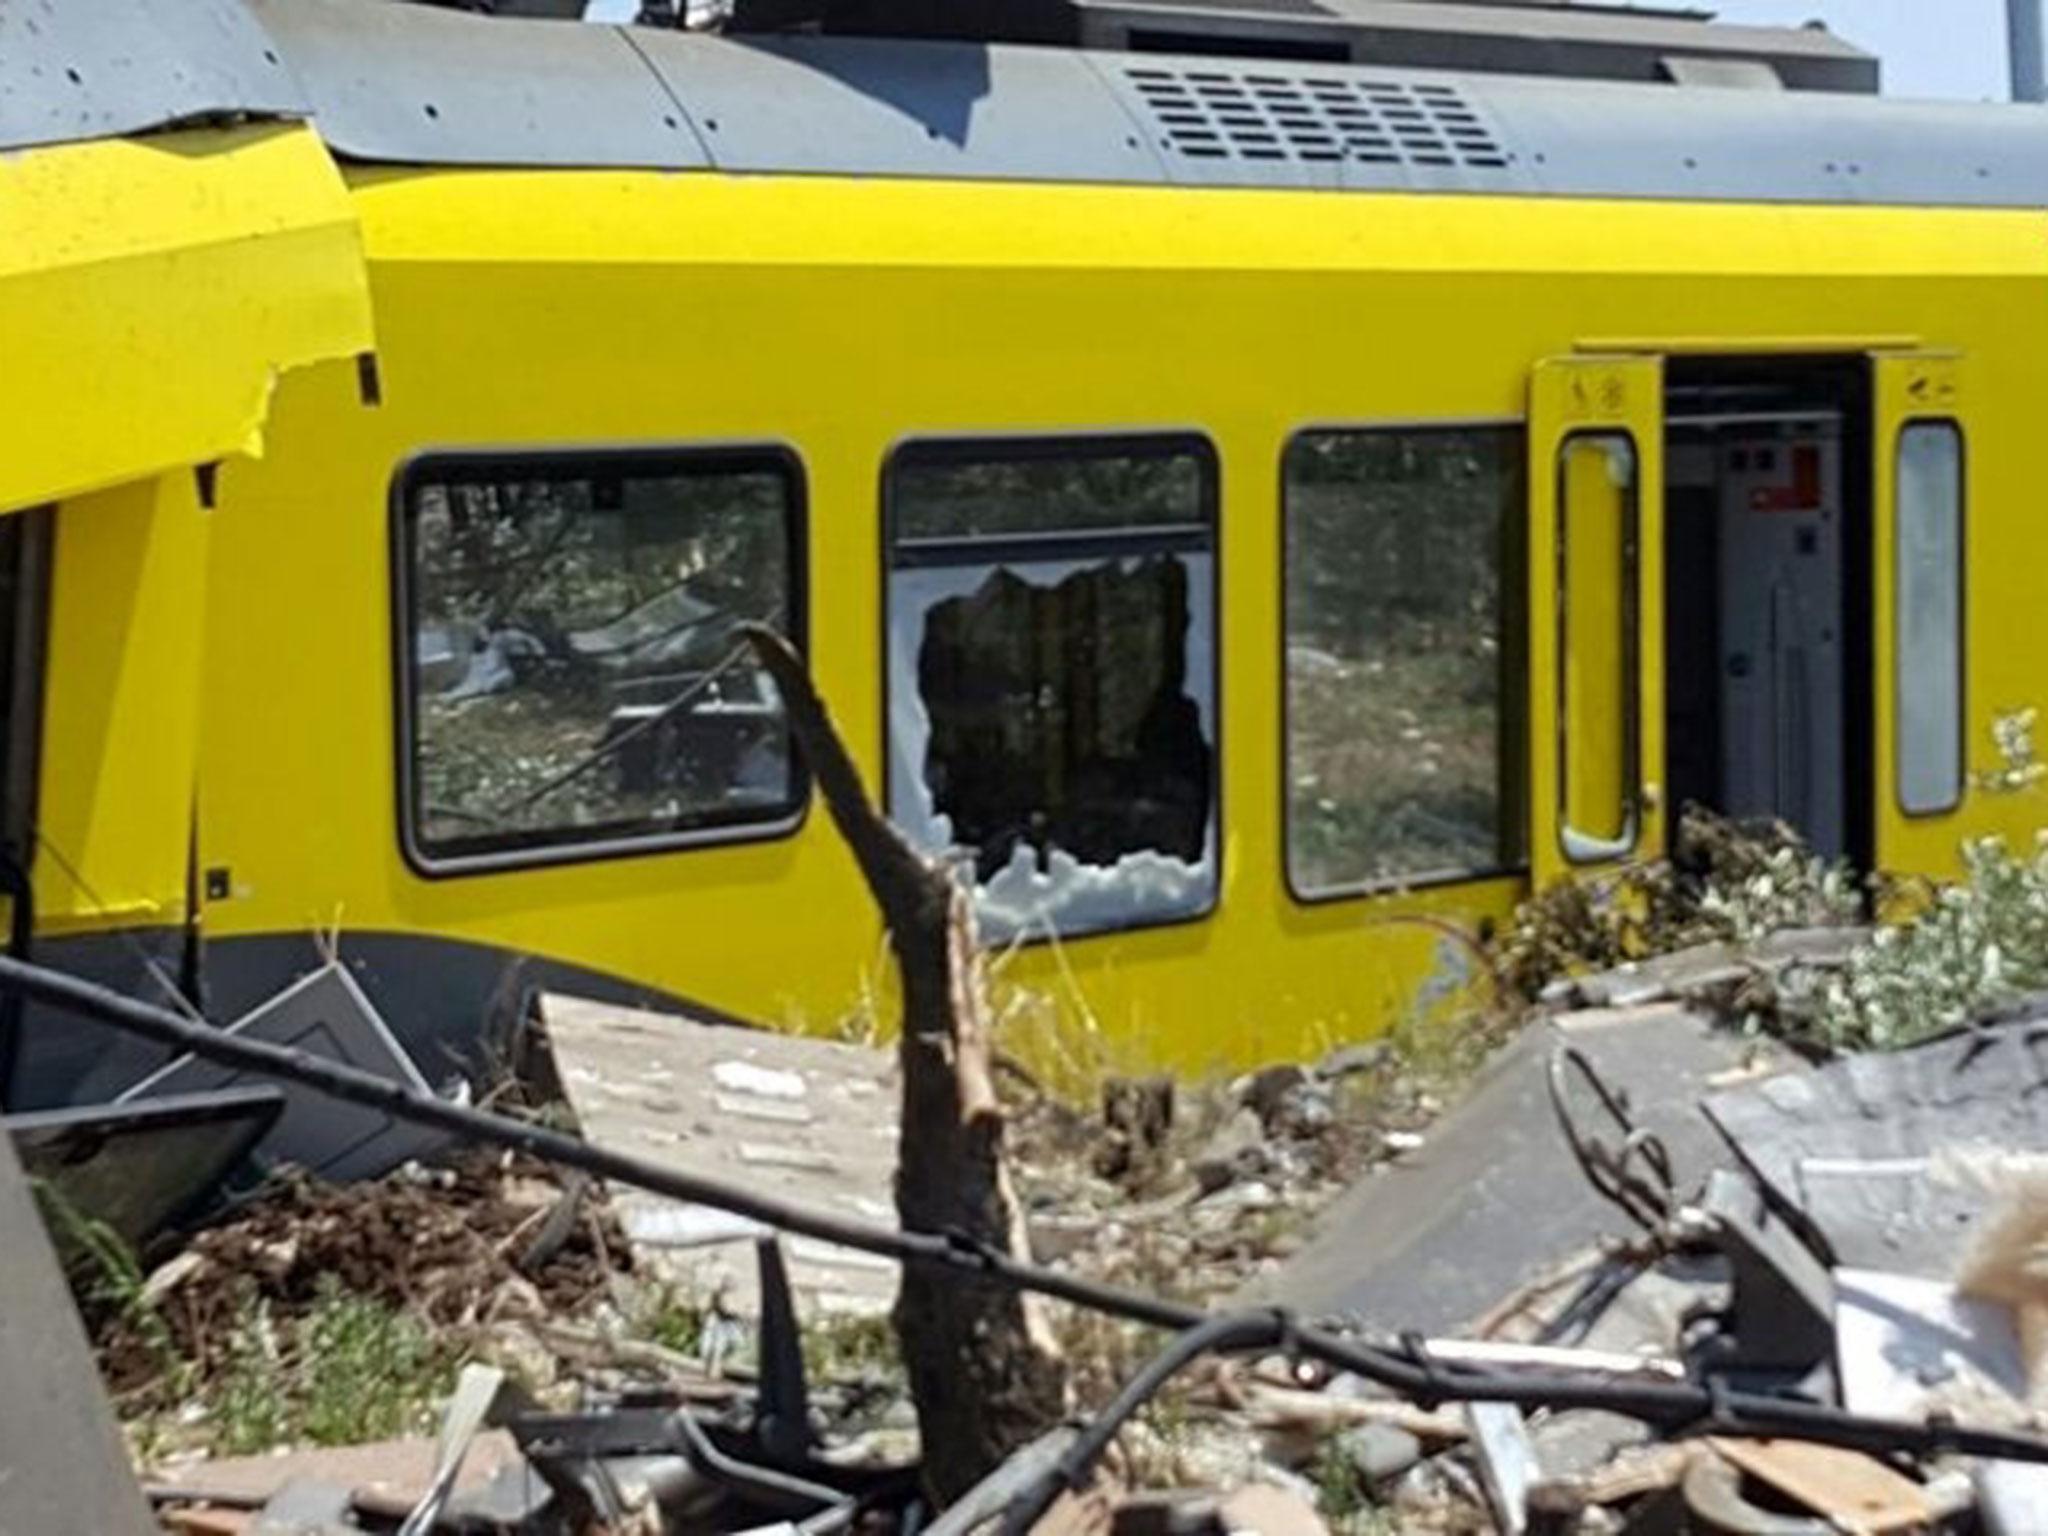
(985, 1371)
(1858, 1493)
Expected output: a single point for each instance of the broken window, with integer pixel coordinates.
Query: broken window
(1052, 677)
(577, 677)
(1402, 595)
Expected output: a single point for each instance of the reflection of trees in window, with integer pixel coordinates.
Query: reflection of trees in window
(1401, 593)
(576, 668)
(1051, 607)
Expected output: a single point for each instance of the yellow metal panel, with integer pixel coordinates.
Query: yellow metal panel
(121, 707)
(1596, 738)
(151, 291)
(842, 317)
(1915, 387)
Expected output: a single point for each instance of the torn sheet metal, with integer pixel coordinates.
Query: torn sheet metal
(1492, 1198)
(153, 291)
(807, 1120)
(1067, 896)
(1860, 1145)
(63, 1466)
(138, 1168)
(327, 1015)
(1905, 1346)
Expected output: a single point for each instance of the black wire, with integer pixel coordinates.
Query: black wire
(1232, 1332)
(1671, 1407)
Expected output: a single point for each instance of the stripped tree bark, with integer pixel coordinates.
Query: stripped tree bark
(985, 1372)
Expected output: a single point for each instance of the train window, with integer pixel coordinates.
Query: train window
(1403, 601)
(577, 683)
(1596, 592)
(1928, 616)
(1052, 675)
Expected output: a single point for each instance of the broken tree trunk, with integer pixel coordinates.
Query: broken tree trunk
(985, 1371)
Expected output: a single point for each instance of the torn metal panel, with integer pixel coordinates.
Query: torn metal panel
(1492, 1198)
(1904, 1345)
(62, 1464)
(326, 1015)
(153, 291)
(139, 1168)
(1856, 1145)
(810, 1120)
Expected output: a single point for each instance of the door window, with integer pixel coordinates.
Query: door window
(1596, 626)
(1928, 616)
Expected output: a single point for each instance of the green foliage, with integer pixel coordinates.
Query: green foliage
(1726, 881)
(851, 1347)
(350, 1369)
(1976, 943)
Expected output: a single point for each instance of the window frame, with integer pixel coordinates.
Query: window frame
(1956, 428)
(943, 448)
(1513, 660)
(1631, 647)
(476, 464)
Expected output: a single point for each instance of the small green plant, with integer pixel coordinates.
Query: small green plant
(349, 1369)
(2019, 767)
(846, 1346)
(1974, 944)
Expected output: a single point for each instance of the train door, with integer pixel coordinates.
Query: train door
(1767, 641)
(1919, 470)
(1596, 595)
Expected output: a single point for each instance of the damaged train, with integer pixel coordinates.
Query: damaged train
(1261, 488)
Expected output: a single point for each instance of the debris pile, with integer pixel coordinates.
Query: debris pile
(1673, 1260)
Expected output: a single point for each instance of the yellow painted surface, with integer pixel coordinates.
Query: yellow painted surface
(841, 317)
(152, 289)
(121, 708)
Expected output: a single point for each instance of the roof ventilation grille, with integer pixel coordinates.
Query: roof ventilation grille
(1216, 114)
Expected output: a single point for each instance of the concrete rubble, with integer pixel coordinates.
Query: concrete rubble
(1632, 1188)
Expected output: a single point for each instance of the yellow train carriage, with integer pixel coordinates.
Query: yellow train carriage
(1257, 516)
(1248, 566)
(173, 238)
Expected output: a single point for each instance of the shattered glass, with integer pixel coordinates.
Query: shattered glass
(1052, 686)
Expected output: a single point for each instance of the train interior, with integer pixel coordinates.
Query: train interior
(1768, 588)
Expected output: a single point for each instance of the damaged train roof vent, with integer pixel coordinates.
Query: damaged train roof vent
(1217, 114)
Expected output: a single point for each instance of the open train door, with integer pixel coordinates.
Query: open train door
(1596, 627)
(1920, 444)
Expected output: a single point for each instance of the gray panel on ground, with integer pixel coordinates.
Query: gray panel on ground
(1493, 1198)
(899, 108)
(1859, 1144)
(62, 1464)
(327, 1015)
(75, 69)
(415, 85)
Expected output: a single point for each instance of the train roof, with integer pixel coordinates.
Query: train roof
(391, 83)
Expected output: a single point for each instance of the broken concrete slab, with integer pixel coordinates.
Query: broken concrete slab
(810, 1120)
(62, 1464)
(1856, 1144)
(1493, 1196)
